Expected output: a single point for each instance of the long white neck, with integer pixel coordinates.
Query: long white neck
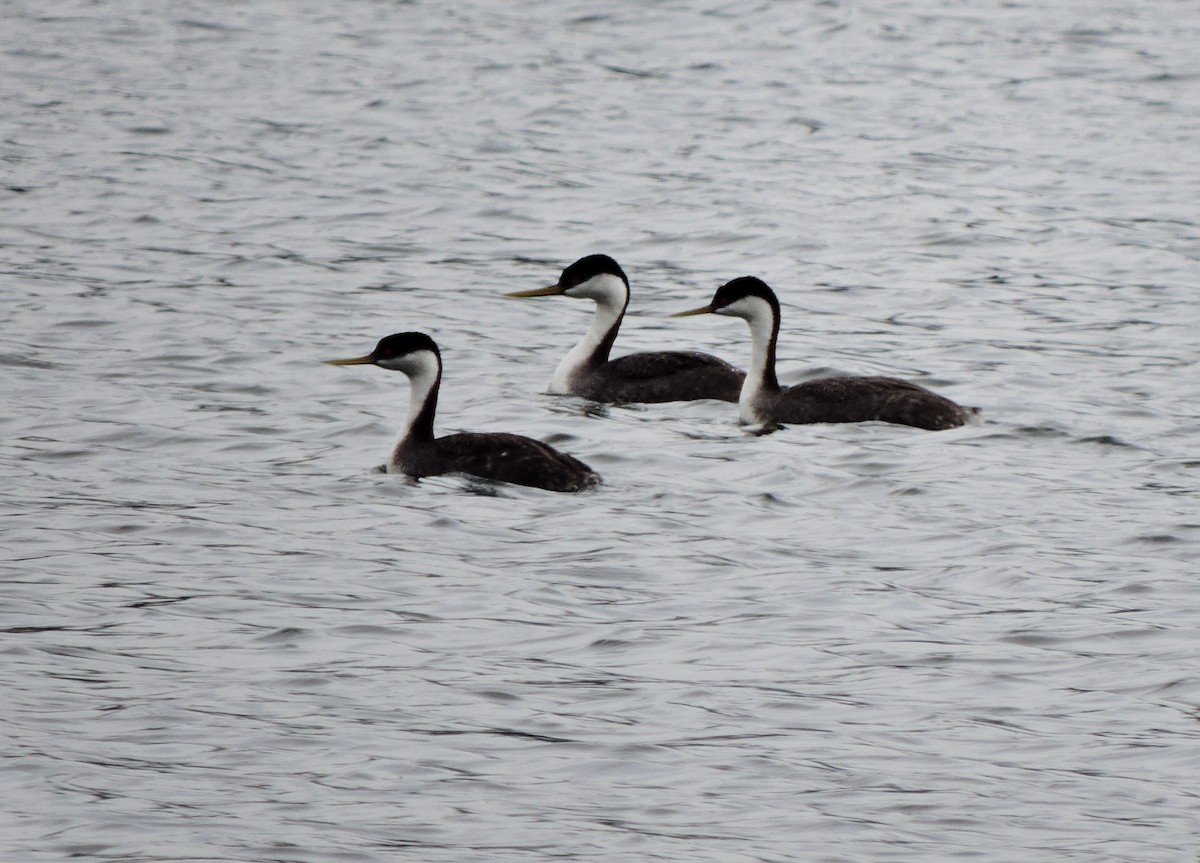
(420, 385)
(611, 296)
(760, 376)
(424, 371)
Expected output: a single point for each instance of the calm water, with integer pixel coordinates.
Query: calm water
(227, 638)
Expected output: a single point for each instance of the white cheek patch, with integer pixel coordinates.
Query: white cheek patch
(417, 364)
(421, 367)
(748, 308)
(606, 289)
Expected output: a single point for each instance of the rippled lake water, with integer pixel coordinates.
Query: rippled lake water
(227, 637)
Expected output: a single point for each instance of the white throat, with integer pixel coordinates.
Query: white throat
(422, 369)
(760, 317)
(611, 297)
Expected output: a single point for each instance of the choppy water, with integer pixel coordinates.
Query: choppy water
(225, 638)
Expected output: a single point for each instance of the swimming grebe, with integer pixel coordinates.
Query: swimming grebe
(828, 400)
(653, 376)
(490, 455)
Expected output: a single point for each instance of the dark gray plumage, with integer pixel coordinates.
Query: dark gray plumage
(862, 399)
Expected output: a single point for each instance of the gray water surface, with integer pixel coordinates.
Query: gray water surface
(227, 637)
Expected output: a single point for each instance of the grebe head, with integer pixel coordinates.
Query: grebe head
(411, 353)
(594, 277)
(746, 297)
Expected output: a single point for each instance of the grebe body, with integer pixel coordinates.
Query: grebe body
(652, 376)
(828, 400)
(498, 456)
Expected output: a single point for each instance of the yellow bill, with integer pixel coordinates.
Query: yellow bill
(703, 310)
(353, 361)
(537, 292)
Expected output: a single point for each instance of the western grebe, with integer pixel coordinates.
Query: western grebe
(490, 455)
(653, 376)
(828, 400)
